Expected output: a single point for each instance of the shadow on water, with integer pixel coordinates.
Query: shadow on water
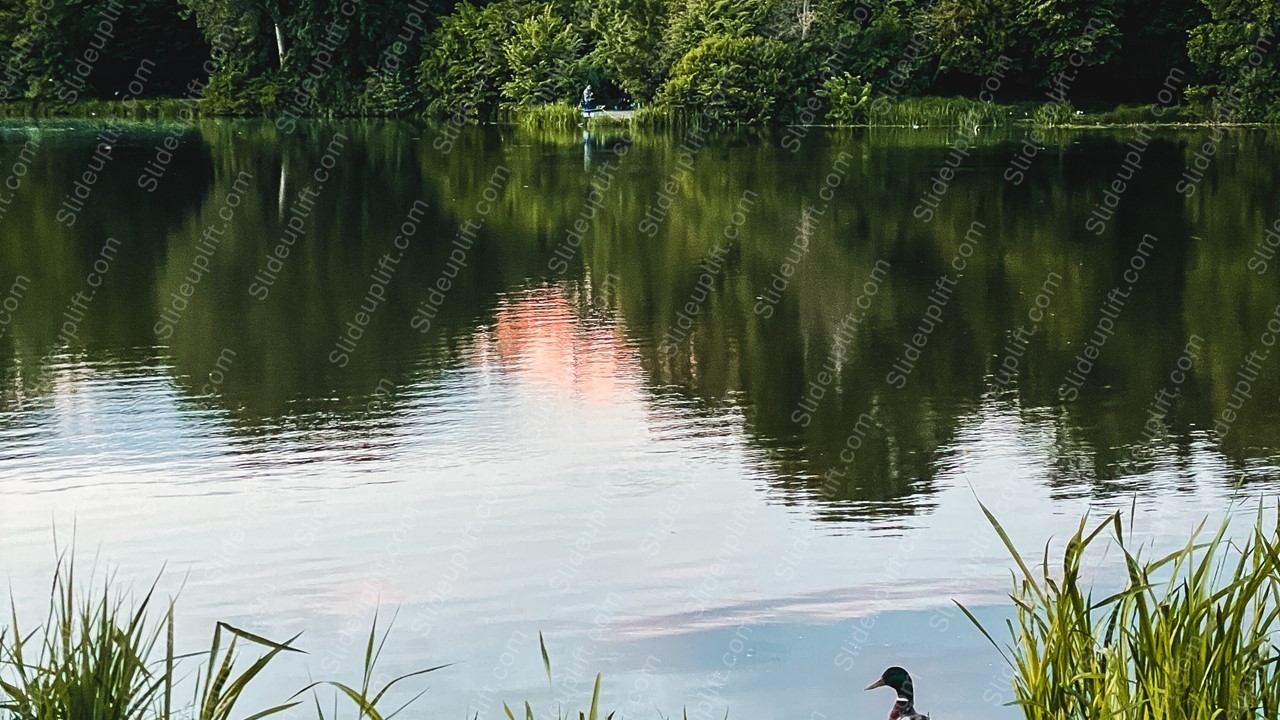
(803, 328)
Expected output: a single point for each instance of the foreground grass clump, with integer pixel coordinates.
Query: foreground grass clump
(1191, 635)
(91, 662)
(99, 657)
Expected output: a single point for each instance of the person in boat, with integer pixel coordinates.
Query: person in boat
(587, 98)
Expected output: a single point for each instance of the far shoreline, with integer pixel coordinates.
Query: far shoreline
(999, 115)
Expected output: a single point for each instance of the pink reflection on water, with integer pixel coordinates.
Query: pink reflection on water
(549, 339)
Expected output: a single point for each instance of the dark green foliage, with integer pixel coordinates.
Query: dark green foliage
(468, 60)
(693, 21)
(1039, 40)
(391, 93)
(971, 35)
(543, 57)
(237, 92)
(322, 57)
(1058, 31)
(873, 41)
(239, 29)
(66, 50)
(465, 66)
(1154, 41)
(728, 79)
(1236, 55)
(627, 50)
(242, 35)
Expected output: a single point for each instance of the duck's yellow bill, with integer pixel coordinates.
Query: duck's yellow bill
(876, 684)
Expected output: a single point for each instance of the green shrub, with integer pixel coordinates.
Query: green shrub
(388, 92)
(730, 80)
(971, 35)
(848, 99)
(1256, 98)
(543, 57)
(224, 94)
(1236, 52)
(628, 40)
(692, 22)
(1054, 114)
(464, 67)
(236, 92)
(879, 50)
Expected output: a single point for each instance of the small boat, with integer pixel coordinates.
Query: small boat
(589, 111)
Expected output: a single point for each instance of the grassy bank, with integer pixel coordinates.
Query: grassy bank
(1190, 635)
(158, 109)
(954, 112)
(905, 112)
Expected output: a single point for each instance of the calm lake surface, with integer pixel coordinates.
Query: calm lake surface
(710, 414)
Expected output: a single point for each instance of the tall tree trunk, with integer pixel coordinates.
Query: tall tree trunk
(284, 181)
(279, 43)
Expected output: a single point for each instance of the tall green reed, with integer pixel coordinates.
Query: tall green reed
(216, 695)
(1191, 635)
(365, 698)
(99, 657)
(591, 714)
(89, 663)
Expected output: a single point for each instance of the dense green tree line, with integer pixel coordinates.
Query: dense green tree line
(737, 60)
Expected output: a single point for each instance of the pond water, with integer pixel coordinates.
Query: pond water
(712, 413)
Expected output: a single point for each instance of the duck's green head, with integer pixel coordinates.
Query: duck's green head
(896, 678)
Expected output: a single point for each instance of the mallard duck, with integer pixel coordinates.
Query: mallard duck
(904, 707)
